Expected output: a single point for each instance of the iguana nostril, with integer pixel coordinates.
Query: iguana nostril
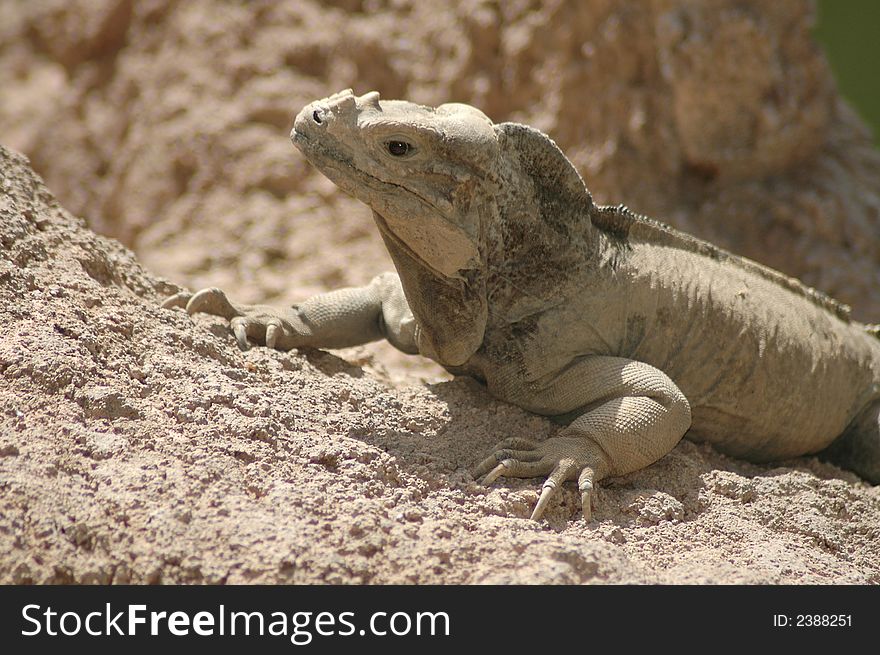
(316, 116)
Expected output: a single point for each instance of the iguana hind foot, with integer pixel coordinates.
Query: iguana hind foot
(560, 458)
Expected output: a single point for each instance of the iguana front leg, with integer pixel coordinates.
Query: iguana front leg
(337, 319)
(634, 414)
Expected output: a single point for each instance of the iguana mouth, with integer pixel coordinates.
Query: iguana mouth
(346, 166)
(450, 250)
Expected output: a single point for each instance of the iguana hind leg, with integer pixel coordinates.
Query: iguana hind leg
(636, 415)
(858, 448)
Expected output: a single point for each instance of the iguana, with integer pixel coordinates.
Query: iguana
(632, 332)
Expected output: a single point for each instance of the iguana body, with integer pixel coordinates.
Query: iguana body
(634, 332)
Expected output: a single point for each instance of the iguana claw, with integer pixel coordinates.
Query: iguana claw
(547, 492)
(585, 484)
(239, 329)
(523, 458)
(272, 330)
(495, 473)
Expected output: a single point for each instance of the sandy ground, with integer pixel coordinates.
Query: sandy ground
(139, 445)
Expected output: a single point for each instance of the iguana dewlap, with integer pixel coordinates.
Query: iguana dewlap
(508, 272)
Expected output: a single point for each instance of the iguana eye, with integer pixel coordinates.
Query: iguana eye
(399, 148)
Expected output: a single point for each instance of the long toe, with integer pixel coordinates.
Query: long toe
(239, 329)
(212, 301)
(179, 299)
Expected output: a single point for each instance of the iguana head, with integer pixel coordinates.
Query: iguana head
(417, 167)
(480, 219)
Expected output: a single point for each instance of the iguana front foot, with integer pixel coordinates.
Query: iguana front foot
(335, 319)
(560, 458)
(263, 324)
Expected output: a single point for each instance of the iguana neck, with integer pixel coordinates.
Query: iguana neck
(450, 312)
(534, 254)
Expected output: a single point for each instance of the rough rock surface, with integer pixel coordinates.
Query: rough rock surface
(138, 445)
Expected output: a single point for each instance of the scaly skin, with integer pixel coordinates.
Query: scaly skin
(636, 333)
